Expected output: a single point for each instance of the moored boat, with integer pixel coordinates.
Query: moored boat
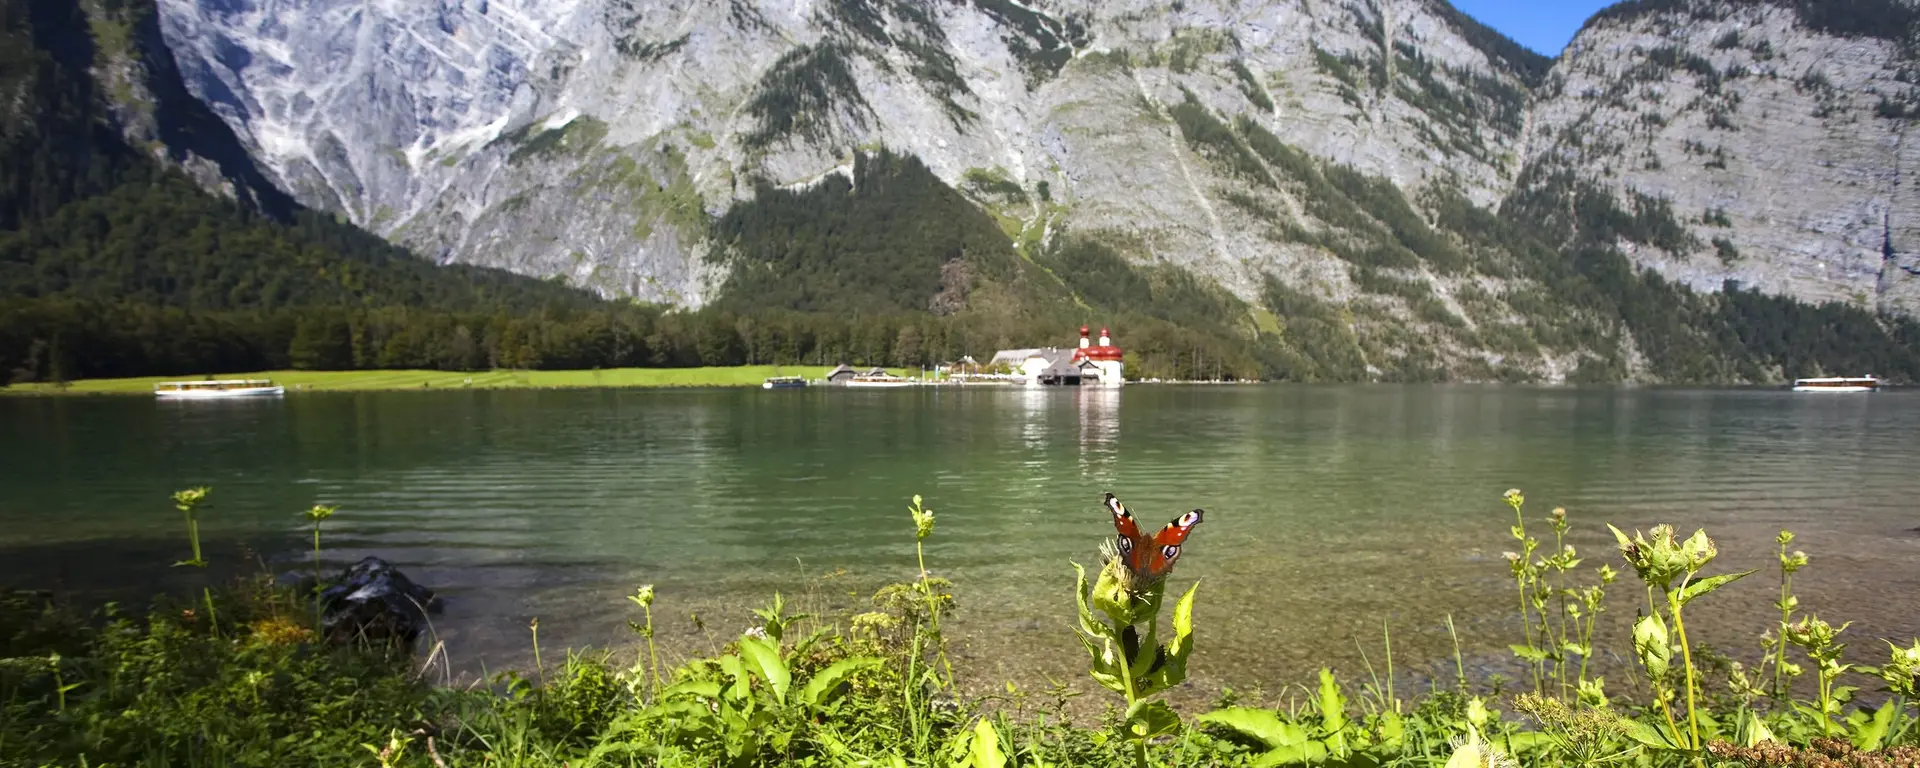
(877, 381)
(221, 388)
(783, 382)
(1837, 384)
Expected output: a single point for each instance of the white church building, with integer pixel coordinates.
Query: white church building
(1089, 365)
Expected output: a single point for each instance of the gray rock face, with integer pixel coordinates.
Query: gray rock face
(594, 138)
(1784, 149)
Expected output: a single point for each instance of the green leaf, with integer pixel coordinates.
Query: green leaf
(742, 682)
(709, 689)
(1393, 730)
(1304, 752)
(1869, 735)
(1528, 653)
(1756, 732)
(1648, 735)
(1262, 725)
(985, 752)
(1651, 643)
(1088, 623)
(763, 658)
(1174, 670)
(1333, 704)
(1147, 719)
(825, 684)
(1702, 587)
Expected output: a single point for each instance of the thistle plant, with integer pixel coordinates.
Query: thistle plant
(923, 528)
(1124, 661)
(1820, 641)
(1557, 618)
(1784, 672)
(643, 597)
(1524, 576)
(1672, 567)
(317, 514)
(188, 502)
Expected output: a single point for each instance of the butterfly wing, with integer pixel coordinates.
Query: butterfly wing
(1164, 547)
(1133, 545)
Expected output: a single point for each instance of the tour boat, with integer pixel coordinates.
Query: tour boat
(783, 382)
(879, 381)
(202, 390)
(1837, 384)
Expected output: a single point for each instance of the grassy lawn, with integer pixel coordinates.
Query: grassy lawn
(341, 381)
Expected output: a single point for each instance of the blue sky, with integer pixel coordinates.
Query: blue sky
(1543, 25)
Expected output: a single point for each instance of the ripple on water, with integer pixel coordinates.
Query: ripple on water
(1332, 510)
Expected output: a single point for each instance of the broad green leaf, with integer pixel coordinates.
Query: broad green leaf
(1651, 644)
(1621, 535)
(742, 683)
(1393, 730)
(1147, 719)
(1528, 653)
(709, 689)
(1304, 752)
(1702, 587)
(1648, 735)
(1869, 735)
(825, 684)
(1174, 670)
(764, 659)
(1522, 742)
(985, 752)
(1262, 725)
(1333, 704)
(1088, 623)
(1756, 732)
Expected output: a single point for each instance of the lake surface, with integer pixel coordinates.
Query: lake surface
(1331, 512)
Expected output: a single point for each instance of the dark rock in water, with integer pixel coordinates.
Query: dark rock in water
(376, 603)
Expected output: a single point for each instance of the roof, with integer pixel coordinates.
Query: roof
(840, 370)
(1014, 356)
(876, 371)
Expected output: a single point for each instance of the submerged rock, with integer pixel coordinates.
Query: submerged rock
(374, 602)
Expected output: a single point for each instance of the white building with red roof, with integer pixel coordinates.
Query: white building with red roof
(1089, 365)
(1105, 357)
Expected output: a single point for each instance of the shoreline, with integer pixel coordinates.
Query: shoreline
(416, 380)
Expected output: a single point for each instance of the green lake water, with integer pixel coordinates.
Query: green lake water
(1330, 511)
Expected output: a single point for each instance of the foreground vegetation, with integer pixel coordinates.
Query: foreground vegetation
(351, 381)
(238, 677)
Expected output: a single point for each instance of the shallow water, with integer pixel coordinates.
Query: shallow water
(1332, 513)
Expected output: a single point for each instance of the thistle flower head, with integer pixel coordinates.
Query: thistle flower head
(319, 512)
(186, 500)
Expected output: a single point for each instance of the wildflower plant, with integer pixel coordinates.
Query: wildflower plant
(1672, 567)
(188, 502)
(315, 515)
(1124, 642)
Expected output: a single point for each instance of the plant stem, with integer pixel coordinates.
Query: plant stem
(933, 612)
(1126, 673)
(1786, 618)
(1686, 654)
(652, 657)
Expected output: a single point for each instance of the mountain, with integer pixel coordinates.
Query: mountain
(1295, 189)
(1778, 137)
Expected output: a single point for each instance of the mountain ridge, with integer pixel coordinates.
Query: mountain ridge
(1312, 189)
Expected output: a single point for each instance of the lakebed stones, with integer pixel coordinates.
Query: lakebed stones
(374, 602)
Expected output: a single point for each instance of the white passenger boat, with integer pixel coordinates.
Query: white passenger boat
(204, 390)
(1837, 384)
(879, 382)
(783, 382)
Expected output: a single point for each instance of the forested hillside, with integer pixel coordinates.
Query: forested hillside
(114, 261)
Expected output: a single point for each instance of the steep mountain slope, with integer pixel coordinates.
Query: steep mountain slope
(1773, 140)
(1302, 188)
(594, 139)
